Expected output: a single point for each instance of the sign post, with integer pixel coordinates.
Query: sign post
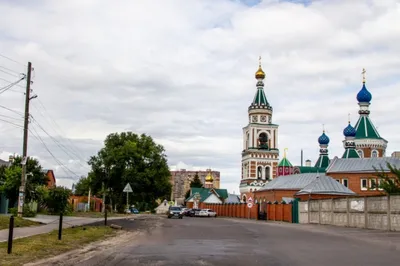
(127, 189)
(250, 204)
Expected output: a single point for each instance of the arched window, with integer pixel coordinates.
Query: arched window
(259, 172)
(267, 173)
(360, 153)
(244, 198)
(374, 154)
(263, 141)
(247, 140)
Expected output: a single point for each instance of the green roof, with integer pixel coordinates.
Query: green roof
(365, 129)
(308, 169)
(350, 153)
(205, 193)
(285, 163)
(260, 98)
(323, 161)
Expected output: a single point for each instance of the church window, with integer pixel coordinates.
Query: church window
(360, 153)
(247, 140)
(259, 172)
(374, 154)
(267, 173)
(244, 198)
(263, 141)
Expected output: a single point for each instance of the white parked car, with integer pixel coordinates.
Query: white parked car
(207, 213)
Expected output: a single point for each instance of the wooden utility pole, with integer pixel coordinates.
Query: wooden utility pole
(24, 162)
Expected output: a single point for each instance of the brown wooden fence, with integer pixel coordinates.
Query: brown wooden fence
(273, 211)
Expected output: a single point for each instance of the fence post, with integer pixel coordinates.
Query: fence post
(308, 210)
(319, 211)
(10, 235)
(60, 226)
(105, 217)
(348, 211)
(366, 212)
(389, 214)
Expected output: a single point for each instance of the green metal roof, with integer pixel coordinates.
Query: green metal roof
(365, 129)
(260, 98)
(285, 163)
(350, 153)
(309, 169)
(205, 193)
(323, 161)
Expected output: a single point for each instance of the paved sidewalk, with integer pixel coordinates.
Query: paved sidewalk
(50, 223)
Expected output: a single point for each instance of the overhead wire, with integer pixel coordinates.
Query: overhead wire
(59, 132)
(58, 143)
(64, 167)
(6, 57)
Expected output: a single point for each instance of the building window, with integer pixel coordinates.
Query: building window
(338, 180)
(380, 183)
(259, 172)
(267, 173)
(364, 184)
(374, 154)
(360, 153)
(345, 182)
(372, 184)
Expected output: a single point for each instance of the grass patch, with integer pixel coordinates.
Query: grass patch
(37, 247)
(18, 222)
(96, 214)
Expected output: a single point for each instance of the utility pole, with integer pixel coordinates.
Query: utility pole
(24, 162)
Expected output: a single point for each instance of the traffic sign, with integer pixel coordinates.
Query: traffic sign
(249, 205)
(250, 200)
(128, 188)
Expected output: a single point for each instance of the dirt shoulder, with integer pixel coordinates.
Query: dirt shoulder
(132, 229)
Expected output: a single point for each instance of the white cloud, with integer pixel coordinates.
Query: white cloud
(182, 72)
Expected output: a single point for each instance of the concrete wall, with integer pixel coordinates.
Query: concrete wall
(381, 212)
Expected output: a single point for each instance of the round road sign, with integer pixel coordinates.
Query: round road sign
(249, 204)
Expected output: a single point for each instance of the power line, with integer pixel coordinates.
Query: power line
(14, 75)
(11, 110)
(60, 145)
(9, 86)
(65, 169)
(16, 118)
(12, 60)
(10, 70)
(12, 123)
(74, 149)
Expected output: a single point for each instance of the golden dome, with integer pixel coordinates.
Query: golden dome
(209, 177)
(260, 73)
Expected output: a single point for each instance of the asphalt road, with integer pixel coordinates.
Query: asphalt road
(218, 241)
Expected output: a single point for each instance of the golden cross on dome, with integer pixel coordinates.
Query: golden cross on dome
(259, 60)
(363, 73)
(284, 152)
(348, 117)
(323, 128)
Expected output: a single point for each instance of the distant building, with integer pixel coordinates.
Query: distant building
(181, 179)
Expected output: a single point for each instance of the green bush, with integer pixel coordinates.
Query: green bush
(27, 212)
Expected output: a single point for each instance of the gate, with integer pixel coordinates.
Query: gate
(295, 211)
(262, 211)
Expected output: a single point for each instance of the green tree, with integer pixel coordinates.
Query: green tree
(196, 183)
(82, 187)
(389, 183)
(57, 199)
(130, 158)
(11, 180)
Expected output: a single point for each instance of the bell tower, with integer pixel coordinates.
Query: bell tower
(260, 155)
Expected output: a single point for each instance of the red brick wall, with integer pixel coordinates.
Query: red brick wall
(315, 196)
(273, 195)
(354, 182)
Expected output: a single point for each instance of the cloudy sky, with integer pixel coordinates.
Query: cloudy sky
(183, 72)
